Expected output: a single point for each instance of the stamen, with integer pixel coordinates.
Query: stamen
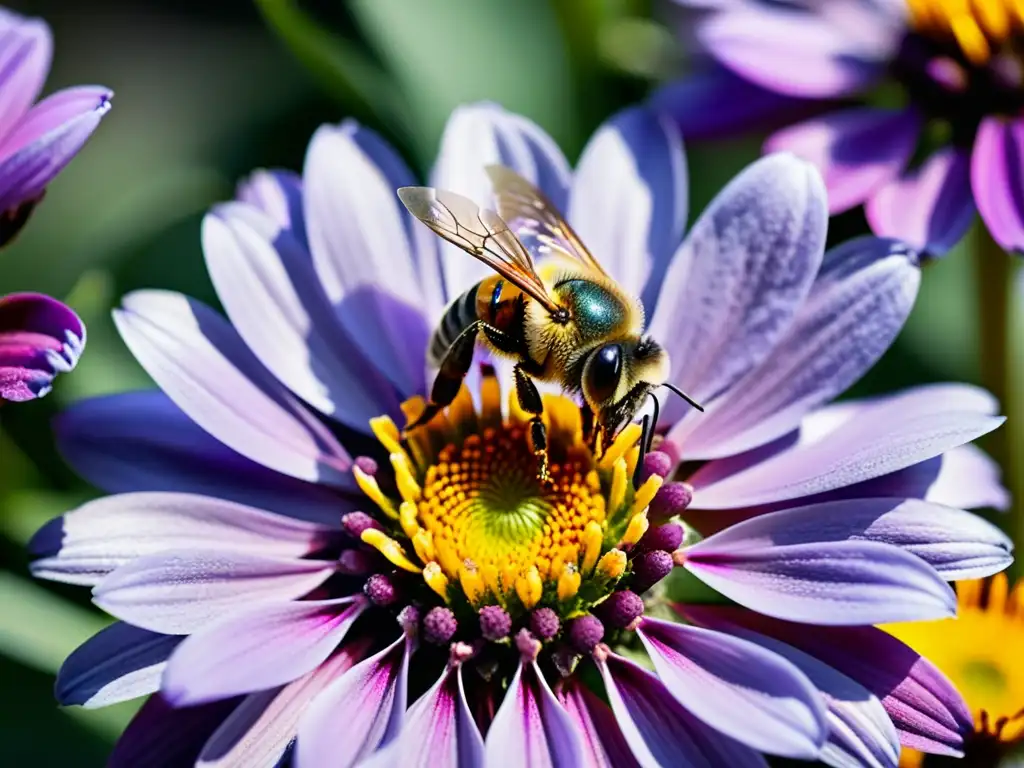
(386, 432)
(408, 488)
(407, 518)
(593, 535)
(617, 495)
(635, 530)
(625, 440)
(530, 588)
(568, 583)
(472, 582)
(368, 485)
(612, 564)
(645, 494)
(436, 580)
(390, 548)
(423, 544)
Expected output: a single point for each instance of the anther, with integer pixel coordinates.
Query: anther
(354, 523)
(409, 620)
(612, 564)
(635, 530)
(544, 623)
(495, 623)
(390, 548)
(380, 589)
(670, 500)
(593, 535)
(439, 626)
(655, 463)
(650, 568)
(621, 609)
(667, 537)
(436, 579)
(368, 485)
(568, 583)
(527, 645)
(530, 587)
(585, 633)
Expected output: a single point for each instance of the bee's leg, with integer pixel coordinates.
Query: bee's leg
(589, 424)
(531, 402)
(502, 341)
(454, 367)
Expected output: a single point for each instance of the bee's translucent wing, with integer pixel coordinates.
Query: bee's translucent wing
(532, 215)
(479, 232)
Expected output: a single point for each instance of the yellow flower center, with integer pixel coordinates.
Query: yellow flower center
(979, 27)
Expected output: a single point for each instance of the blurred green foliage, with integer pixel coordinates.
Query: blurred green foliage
(205, 92)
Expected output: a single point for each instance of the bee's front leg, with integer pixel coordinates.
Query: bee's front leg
(531, 402)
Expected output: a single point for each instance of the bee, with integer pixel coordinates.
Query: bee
(564, 320)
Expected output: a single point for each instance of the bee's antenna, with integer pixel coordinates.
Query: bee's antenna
(685, 396)
(654, 421)
(646, 435)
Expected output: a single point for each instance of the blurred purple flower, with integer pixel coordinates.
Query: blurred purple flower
(920, 166)
(39, 338)
(265, 605)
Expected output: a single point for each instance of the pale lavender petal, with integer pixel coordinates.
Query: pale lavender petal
(997, 179)
(358, 713)
(164, 736)
(603, 741)
(628, 200)
(755, 250)
(270, 291)
(30, 161)
(181, 591)
(887, 435)
(659, 731)
(858, 305)
(39, 339)
(531, 728)
(931, 207)
(363, 256)
(84, 545)
(118, 663)
(203, 365)
(141, 441)
(957, 544)
(438, 732)
(26, 49)
(278, 193)
(857, 150)
(738, 688)
(968, 478)
(482, 134)
(259, 731)
(261, 648)
(828, 583)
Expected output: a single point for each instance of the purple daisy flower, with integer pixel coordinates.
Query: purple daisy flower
(431, 602)
(39, 338)
(916, 106)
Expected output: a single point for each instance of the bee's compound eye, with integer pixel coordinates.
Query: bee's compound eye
(601, 377)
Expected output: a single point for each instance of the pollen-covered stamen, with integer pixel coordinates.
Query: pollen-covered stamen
(979, 27)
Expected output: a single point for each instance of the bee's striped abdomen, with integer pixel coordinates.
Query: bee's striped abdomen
(457, 318)
(493, 300)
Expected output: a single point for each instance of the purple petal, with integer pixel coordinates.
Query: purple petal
(967, 479)
(278, 194)
(857, 150)
(829, 583)
(755, 250)
(798, 52)
(857, 307)
(141, 441)
(26, 48)
(930, 208)
(887, 435)
(86, 544)
(997, 179)
(31, 159)
(259, 731)
(482, 134)
(628, 201)
(738, 688)
(928, 712)
(363, 256)
(39, 338)
(438, 732)
(202, 364)
(531, 729)
(164, 736)
(180, 591)
(118, 663)
(266, 282)
(603, 741)
(659, 730)
(261, 648)
(362, 710)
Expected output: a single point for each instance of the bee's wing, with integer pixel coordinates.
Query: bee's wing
(528, 210)
(479, 232)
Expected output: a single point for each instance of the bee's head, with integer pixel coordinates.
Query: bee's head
(618, 376)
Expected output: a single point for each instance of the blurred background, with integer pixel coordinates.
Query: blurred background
(207, 91)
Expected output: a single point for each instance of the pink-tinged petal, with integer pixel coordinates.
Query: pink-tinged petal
(931, 207)
(259, 731)
(738, 688)
(118, 663)
(39, 339)
(828, 583)
(858, 305)
(603, 741)
(659, 731)
(84, 545)
(29, 160)
(482, 134)
(756, 250)
(270, 291)
(857, 150)
(142, 441)
(358, 713)
(887, 435)
(531, 729)
(203, 365)
(164, 736)
(363, 256)
(928, 712)
(438, 732)
(180, 591)
(26, 49)
(629, 198)
(997, 179)
(261, 648)
(278, 194)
